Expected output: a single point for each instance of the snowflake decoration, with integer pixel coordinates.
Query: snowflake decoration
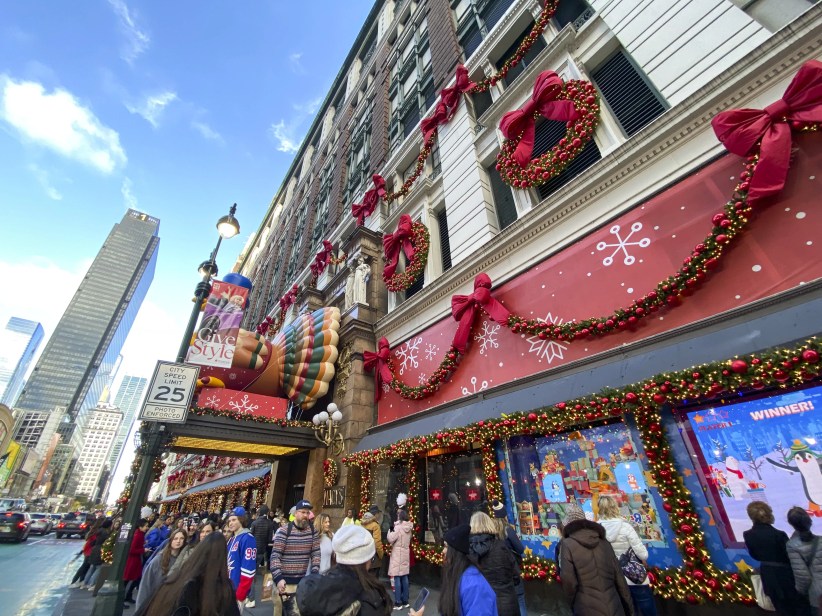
(622, 244)
(483, 385)
(386, 388)
(232, 375)
(408, 354)
(487, 338)
(431, 350)
(211, 402)
(244, 406)
(549, 350)
(422, 379)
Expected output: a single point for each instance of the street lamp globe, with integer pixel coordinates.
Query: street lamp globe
(316, 419)
(228, 226)
(323, 416)
(336, 414)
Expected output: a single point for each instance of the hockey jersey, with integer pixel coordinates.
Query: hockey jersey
(242, 562)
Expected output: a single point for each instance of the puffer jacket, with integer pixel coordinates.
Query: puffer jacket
(263, 530)
(622, 536)
(807, 566)
(372, 527)
(335, 592)
(400, 540)
(498, 565)
(591, 576)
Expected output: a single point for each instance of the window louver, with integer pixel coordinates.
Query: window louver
(547, 135)
(445, 243)
(503, 198)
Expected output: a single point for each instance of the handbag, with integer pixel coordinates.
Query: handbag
(632, 567)
(762, 600)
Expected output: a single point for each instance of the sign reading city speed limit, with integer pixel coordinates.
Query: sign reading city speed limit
(170, 392)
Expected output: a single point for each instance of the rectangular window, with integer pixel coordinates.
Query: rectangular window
(299, 228)
(445, 242)
(546, 136)
(503, 198)
(323, 199)
(475, 19)
(527, 59)
(575, 12)
(411, 91)
(627, 92)
(359, 157)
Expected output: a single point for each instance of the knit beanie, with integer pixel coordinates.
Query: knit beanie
(499, 509)
(573, 512)
(145, 512)
(353, 545)
(457, 538)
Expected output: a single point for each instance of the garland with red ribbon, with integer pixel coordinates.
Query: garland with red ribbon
(413, 239)
(573, 102)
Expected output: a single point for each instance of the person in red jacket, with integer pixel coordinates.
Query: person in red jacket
(134, 562)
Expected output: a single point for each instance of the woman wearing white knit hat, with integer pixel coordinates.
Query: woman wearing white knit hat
(347, 588)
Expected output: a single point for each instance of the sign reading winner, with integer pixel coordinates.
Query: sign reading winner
(170, 392)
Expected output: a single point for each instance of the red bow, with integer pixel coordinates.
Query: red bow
(287, 300)
(363, 210)
(546, 89)
(321, 259)
(393, 242)
(378, 363)
(739, 130)
(447, 105)
(464, 308)
(263, 327)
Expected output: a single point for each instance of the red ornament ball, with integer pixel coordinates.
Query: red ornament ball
(739, 366)
(810, 356)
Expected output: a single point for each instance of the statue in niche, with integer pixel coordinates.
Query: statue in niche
(359, 290)
(349, 287)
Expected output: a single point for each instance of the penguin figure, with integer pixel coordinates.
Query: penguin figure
(807, 463)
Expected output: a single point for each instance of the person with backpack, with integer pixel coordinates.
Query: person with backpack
(294, 554)
(372, 525)
(806, 557)
(630, 552)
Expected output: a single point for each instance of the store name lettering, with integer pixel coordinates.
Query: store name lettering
(779, 411)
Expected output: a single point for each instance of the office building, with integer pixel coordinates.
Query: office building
(103, 422)
(128, 399)
(19, 342)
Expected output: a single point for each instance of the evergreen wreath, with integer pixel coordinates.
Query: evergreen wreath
(421, 241)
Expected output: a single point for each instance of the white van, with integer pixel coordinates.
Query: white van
(12, 504)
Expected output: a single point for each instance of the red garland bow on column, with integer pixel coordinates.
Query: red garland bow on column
(543, 101)
(740, 130)
(321, 259)
(287, 300)
(464, 309)
(363, 210)
(393, 242)
(378, 363)
(447, 105)
(263, 327)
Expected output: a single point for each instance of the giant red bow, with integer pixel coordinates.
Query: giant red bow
(378, 363)
(393, 242)
(363, 210)
(322, 258)
(546, 89)
(739, 130)
(448, 103)
(464, 308)
(287, 300)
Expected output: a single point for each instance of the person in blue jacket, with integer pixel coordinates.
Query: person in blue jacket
(158, 534)
(464, 592)
(242, 554)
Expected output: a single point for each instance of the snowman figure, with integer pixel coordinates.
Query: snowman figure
(801, 459)
(737, 484)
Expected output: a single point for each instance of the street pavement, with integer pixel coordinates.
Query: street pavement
(34, 574)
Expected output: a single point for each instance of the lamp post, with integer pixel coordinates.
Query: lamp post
(110, 597)
(327, 429)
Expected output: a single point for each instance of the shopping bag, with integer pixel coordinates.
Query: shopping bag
(268, 587)
(762, 600)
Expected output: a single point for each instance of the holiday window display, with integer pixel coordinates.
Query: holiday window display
(768, 449)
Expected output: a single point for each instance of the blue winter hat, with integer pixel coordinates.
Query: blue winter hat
(238, 511)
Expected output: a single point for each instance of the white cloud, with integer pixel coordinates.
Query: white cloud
(308, 108)
(137, 40)
(42, 177)
(129, 199)
(153, 106)
(295, 64)
(286, 142)
(60, 122)
(285, 133)
(206, 132)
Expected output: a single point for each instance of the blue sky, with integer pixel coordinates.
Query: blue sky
(177, 109)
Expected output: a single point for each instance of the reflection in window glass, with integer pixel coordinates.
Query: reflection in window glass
(456, 489)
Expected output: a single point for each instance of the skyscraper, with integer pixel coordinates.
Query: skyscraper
(100, 432)
(128, 399)
(81, 354)
(19, 342)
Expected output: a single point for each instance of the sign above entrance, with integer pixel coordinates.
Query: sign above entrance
(170, 392)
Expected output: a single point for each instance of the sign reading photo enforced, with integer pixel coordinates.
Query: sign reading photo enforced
(170, 392)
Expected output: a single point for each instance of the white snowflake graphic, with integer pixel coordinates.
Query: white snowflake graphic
(431, 350)
(386, 388)
(622, 244)
(422, 379)
(549, 350)
(243, 406)
(408, 354)
(211, 402)
(474, 389)
(488, 337)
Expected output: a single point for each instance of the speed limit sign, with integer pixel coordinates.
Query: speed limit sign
(170, 392)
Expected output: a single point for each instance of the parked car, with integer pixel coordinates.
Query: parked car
(15, 525)
(71, 524)
(12, 504)
(41, 523)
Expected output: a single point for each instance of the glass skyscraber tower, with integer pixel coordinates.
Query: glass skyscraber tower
(19, 341)
(81, 355)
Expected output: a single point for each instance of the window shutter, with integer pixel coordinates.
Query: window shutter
(410, 119)
(493, 12)
(471, 39)
(547, 135)
(627, 92)
(416, 287)
(482, 101)
(503, 198)
(445, 243)
(568, 11)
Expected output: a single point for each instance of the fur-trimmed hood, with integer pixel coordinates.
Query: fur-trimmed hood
(587, 533)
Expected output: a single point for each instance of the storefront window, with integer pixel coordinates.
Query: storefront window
(388, 480)
(455, 489)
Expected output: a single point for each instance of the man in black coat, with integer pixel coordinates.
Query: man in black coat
(263, 530)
